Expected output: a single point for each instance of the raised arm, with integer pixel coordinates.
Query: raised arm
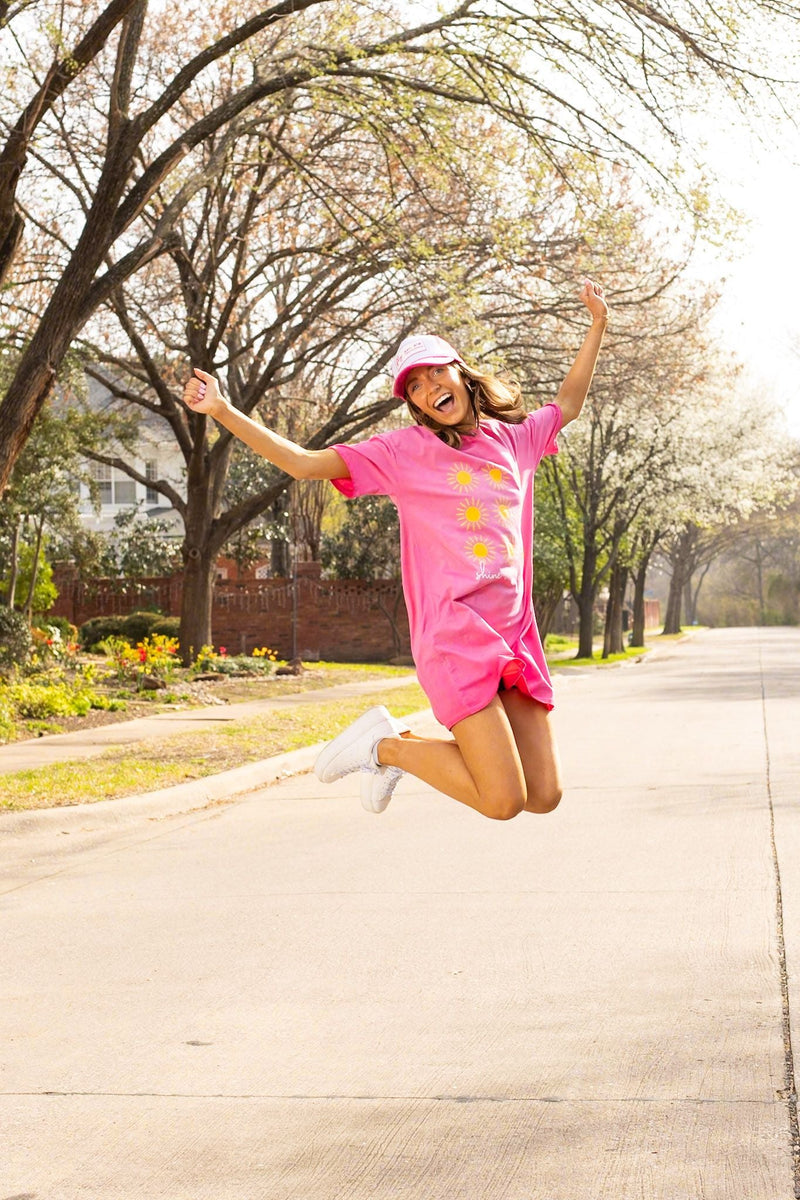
(201, 394)
(574, 389)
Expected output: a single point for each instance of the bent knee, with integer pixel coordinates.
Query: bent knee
(544, 801)
(503, 806)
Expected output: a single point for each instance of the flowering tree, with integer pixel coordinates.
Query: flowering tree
(738, 463)
(125, 78)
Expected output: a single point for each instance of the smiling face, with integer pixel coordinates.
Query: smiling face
(440, 393)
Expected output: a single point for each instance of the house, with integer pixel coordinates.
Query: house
(155, 456)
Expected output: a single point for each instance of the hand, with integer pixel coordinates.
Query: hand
(201, 394)
(593, 296)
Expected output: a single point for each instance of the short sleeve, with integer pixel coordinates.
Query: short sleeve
(372, 465)
(535, 437)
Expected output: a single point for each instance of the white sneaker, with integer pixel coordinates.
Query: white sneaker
(353, 748)
(377, 785)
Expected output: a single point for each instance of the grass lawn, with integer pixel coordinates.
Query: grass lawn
(597, 660)
(179, 757)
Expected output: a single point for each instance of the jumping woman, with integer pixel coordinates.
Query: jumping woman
(461, 478)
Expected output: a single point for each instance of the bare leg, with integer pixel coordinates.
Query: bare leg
(501, 761)
(533, 733)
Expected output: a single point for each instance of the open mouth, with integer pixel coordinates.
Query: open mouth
(444, 403)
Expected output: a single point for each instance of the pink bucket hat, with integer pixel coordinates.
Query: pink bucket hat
(424, 350)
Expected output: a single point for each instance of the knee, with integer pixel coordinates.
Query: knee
(540, 801)
(504, 806)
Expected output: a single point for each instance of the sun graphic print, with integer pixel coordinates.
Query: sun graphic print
(461, 476)
(470, 514)
(502, 510)
(479, 549)
(495, 475)
(508, 547)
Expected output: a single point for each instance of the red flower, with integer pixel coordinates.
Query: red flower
(142, 654)
(222, 650)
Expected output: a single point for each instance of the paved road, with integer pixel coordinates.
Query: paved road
(285, 998)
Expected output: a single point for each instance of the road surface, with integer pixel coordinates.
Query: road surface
(284, 997)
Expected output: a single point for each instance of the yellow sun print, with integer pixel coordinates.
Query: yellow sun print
(470, 514)
(479, 549)
(503, 511)
(496, 476)
(460, 476)
(509, 548)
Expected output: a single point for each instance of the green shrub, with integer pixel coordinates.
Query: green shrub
(223, 663)
(40, 700)
(53, 697)
(7, 726)
(16, 643)
(167, 626)
(98, 629)
(139, 625)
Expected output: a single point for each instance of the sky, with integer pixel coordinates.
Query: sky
(759, 314)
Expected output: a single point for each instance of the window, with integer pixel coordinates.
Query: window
(101, 474)
(124, 489)
(113, 486)
(151, 472)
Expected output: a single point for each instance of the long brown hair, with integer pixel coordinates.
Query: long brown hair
(497, 396)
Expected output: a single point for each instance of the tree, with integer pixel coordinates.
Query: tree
(620, 459)
(43, 498)
(756, 581)
(286, 321)
(550, 561)
(139, 545)
(131, 78)
(367, 543)
(737, 463)
(286, 291)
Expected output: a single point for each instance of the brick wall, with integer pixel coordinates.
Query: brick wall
(348, 620)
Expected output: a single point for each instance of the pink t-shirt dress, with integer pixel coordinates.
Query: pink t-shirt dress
(466, 550)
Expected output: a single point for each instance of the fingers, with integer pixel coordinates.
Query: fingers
(194, 391)
(590, 288)
(594, 297)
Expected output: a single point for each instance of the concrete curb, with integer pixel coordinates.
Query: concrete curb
(181, 799)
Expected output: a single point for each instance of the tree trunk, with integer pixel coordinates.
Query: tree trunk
(391, 616)
(11, 595)
(585, 598)
(585, 602)
(196, 605)
(280, 563)
(26, 397)
(612, 635)
(688, 601)
(672, 617)
(27, 608)
(762, 606)
(681, 560)
(199, 552)
(694, 595)
(639, 579)
(544, 607)
(64, 317)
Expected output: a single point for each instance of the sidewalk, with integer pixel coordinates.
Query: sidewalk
(285, 998)
(88, 743)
